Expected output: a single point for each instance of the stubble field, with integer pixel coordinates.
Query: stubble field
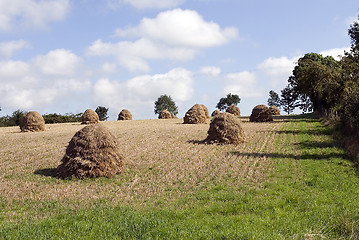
(168, 168)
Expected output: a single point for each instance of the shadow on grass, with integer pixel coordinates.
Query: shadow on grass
(46, 172)
(322, 157)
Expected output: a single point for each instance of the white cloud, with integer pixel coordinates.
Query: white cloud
(31, 13)
(58, 62)
(175, 35)
(139, 93)
(46, 80)
(132, 55)
(278, 67)
(13, 69)
(7, 49)
(210, 71)
(244, 84)
(159, 4)
(145, 4)
(109, 68)
(350, 20)
(181, 28)
(336, 53)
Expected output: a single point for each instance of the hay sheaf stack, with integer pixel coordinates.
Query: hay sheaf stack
(164, 114)
(89, 117)
(215, 113)
(233, 109)
(124, 115)
(32, 122)
(205, 109)
(195, 115)
(261, 113)
(225, 128)
(274, 110)
(92, 152)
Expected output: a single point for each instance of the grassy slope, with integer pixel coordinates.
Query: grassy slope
(311, 191)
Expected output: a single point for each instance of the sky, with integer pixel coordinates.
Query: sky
(65, 56)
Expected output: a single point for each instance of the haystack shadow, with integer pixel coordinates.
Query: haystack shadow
(322, 157)
(46, 172)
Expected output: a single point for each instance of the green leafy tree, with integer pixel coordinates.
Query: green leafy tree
(274, 99)
(349, 99)
(289, 99)
(17, 117)
(227, 101)
(102, 113)
(317, 78)
(58, 118)
(165, 102)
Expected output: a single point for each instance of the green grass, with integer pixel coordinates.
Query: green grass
(312, 192)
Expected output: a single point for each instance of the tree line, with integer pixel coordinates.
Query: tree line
(16, 117)
(326, 86)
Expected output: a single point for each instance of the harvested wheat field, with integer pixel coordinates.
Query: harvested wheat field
(161, 159)
(167, 166)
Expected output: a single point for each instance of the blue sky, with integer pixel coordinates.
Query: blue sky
(65, 56)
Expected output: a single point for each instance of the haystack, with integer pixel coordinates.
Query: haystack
(261, 113)
(124, 115)
(205, 110)
(89, 117)
(164, 114)
(32, 122)
(234, 110)
(274, 110)
(215, 113)
(225, 128)
(195, 115)
(92, 152)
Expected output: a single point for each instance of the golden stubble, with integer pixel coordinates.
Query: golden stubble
(163, 160)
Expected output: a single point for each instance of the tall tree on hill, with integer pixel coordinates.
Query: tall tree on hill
(317, 78)
(102, 113)
(165, 102)
(350, 80)
(227, 101)
(273, 99)
(289, 99)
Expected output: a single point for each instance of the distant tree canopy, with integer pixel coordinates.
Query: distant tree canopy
(274, 99)
(102, 113)
(58, 118)
(227, 101)
(288, 99)
(16, 118)
(165, 102)
(13, 120)
(327, 86)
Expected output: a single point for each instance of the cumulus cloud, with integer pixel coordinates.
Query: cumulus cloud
(58, 62)
(175, 35)
(139, 93)
(336, 53)
(210, 71)
(144, 4)
(244, 84)
(42, 81)
(7, 49)
(181, 28)
(133, 55)
(278, 67)
(32, 13)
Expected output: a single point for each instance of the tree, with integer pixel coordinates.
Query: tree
(317, 83)
(288, 99)
(102, 113)
(354, 37)
(273, 99)
(227, 101)
(165, 102)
